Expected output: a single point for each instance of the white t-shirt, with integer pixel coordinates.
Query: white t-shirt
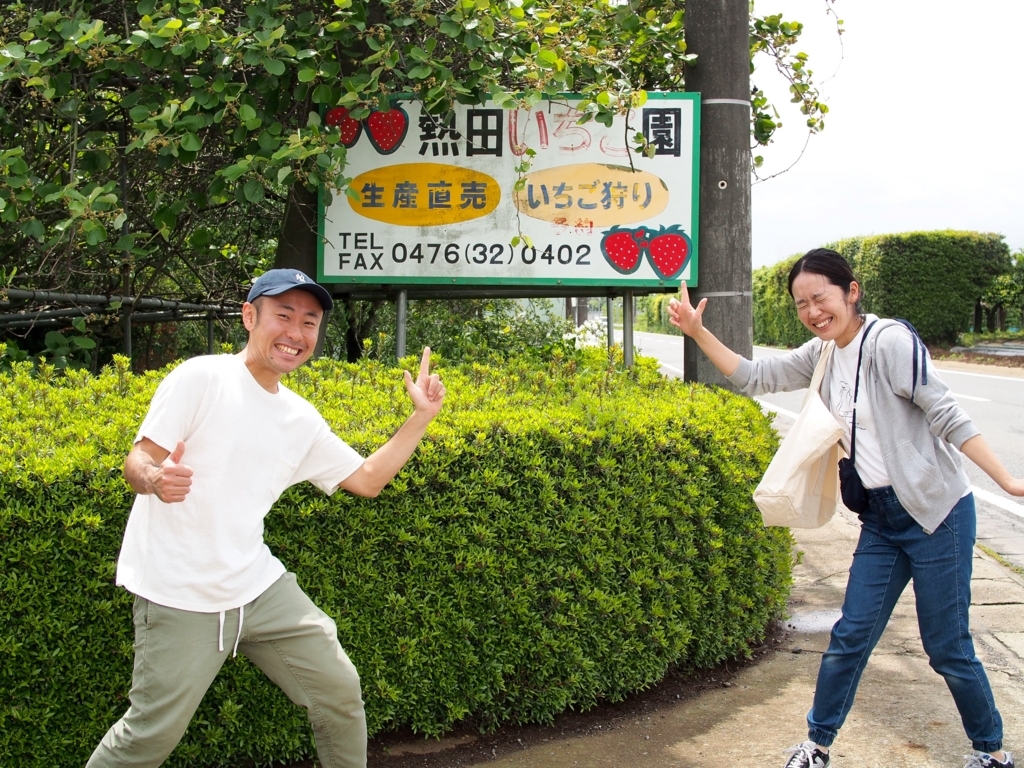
(868, 461)
(245, 446)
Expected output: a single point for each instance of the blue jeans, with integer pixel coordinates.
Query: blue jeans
(893, 549)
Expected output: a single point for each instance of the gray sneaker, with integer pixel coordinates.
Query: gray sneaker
(807, 755)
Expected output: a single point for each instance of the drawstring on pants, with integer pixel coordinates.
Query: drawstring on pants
(220, 633)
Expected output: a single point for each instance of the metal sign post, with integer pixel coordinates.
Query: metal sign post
(401, 313)
(608, 305)
(627, 329)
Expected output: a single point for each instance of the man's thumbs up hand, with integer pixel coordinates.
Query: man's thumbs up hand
(173, 479)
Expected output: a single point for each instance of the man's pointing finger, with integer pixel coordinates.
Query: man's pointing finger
(425, 364)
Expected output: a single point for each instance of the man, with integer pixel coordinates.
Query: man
(222, 440)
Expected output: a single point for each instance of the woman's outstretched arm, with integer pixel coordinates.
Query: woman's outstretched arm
(978, 450)
(687, 319)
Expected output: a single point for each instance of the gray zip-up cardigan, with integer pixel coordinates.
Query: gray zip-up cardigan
(917, 423)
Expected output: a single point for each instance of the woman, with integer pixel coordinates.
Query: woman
(920, 520)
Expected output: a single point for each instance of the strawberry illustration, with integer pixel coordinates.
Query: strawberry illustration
(668, 250)
(621, 247)
(347, 127)
(387, 129)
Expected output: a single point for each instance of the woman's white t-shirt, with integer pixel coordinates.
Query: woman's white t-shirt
(245, 446)
(868, 460)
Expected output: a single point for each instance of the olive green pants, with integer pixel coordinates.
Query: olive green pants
(178, 654)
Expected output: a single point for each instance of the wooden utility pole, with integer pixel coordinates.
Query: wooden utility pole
(717, 31)
(297, 243)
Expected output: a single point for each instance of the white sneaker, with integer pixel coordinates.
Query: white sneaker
(807, 755)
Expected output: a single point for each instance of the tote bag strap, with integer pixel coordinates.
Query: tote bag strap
(819, 370)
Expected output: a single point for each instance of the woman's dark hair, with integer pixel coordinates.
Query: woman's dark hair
(831, 266)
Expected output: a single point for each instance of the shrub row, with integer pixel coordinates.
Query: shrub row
(566, 533)
(776, 322)
(933, 279)
(652, 313)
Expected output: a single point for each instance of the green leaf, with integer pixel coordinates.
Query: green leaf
(245, 113)
(233, 172)
(139, 113)
(268, 141)
(322, 94)
(96, 235)
(274, 66)
(191, 142)
(33, 228)
(421, 72)
(253, 190)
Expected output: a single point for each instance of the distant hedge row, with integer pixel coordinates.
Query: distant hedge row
(932, 279)
(776, 322)
(565, 534)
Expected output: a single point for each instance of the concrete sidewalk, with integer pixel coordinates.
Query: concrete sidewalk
(903, 716)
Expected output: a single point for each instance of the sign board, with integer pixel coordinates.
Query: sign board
(437, 200)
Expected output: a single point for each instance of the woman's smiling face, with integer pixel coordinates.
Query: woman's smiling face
(825, 309)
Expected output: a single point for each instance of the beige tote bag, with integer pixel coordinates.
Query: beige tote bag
(800, 488)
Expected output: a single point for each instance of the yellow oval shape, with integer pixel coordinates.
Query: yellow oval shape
(602, 194)
(424, 194)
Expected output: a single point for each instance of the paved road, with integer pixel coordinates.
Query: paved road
(994, 401)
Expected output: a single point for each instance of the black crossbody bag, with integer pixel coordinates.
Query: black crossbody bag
(855, 498)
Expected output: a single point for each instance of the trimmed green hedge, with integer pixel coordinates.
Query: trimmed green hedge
(932, 279)
(776, 322)
(565, 534)
(652, 313)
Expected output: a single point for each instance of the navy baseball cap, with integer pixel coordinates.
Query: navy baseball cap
(277, 281)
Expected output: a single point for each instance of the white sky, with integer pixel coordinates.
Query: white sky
(924, 130)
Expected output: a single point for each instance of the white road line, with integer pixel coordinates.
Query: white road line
(971, 397)
(770, 407)
(944, 371)
(673, 368)
(998, 501)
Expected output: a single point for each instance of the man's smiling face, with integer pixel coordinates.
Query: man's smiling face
(282, 333)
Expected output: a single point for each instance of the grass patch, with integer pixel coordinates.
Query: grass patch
(1000, 559)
